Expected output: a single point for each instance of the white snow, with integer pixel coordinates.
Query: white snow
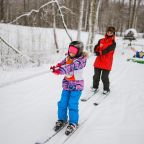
(28, 109)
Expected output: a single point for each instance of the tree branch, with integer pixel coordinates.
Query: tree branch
(33, 10)
(65, 27)
(16, 50)
(36, 11)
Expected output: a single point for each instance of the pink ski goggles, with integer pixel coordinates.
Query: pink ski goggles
(73, 50)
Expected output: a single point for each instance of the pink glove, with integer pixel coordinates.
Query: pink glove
(59, 65)
(52, 67)
(56, 71)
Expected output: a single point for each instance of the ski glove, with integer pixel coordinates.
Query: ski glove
(52, 67)
(98, 53)
(56, 71)
(59, 65)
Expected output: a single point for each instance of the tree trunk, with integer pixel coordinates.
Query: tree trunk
(25, 9)
(86, 16)
(92, 23)
(63, 20)
(1, 10)
(136, 11)
(130, 14)
(80, 19)
(54, 28)
(97, 13)
(121, 21)
(133, 14)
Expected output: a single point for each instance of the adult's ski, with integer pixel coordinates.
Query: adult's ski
(100, 99)
(52, 136)
(86, 98)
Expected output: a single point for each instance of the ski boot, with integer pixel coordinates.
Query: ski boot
(59, 125)
(106, 92)
(94, 90)
(70, 129)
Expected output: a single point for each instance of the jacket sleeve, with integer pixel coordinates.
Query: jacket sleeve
(62, 62)
(96, 46)
(109, 48)
(76, 65)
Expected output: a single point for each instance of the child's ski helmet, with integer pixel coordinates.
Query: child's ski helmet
(79, 45)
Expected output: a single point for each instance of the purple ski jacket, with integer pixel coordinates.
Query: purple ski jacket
(75, 69)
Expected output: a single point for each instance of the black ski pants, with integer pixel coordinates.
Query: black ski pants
(104, 75)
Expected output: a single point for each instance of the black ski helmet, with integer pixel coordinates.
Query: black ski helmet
(79, 45)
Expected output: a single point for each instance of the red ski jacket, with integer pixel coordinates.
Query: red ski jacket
(104, 51)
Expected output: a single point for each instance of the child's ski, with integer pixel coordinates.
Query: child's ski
(78, 127)
(53, 135)
(86, 98)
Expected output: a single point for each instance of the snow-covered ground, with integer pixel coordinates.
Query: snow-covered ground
(28, 109)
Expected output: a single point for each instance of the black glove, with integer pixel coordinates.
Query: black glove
(97, 53)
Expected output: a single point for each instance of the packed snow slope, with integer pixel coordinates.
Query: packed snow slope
(28, 109)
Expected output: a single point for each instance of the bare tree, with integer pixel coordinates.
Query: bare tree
(86, 15)
(94, 10)
(25, 9)
(31, 12)
(130, 13)
(97, 13)
(91, 25)
(1, 10)
(54, 28)
(122, 14)
(80, 19)
(133, 14)
(35, 12)
(62, 16)
(136, 12)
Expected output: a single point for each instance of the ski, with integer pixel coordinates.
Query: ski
(86, 98)
(100, 99)
(52, 136)
(78, 127)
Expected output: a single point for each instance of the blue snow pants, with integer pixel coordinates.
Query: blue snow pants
(69, 101)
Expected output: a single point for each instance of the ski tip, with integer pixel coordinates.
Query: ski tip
(95, 104)
(38, 143)
(66, 133)
(83, 100)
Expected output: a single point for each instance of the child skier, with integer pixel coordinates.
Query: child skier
(104, 51)
(73, 83)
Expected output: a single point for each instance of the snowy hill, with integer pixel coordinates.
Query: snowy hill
(28, 109)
